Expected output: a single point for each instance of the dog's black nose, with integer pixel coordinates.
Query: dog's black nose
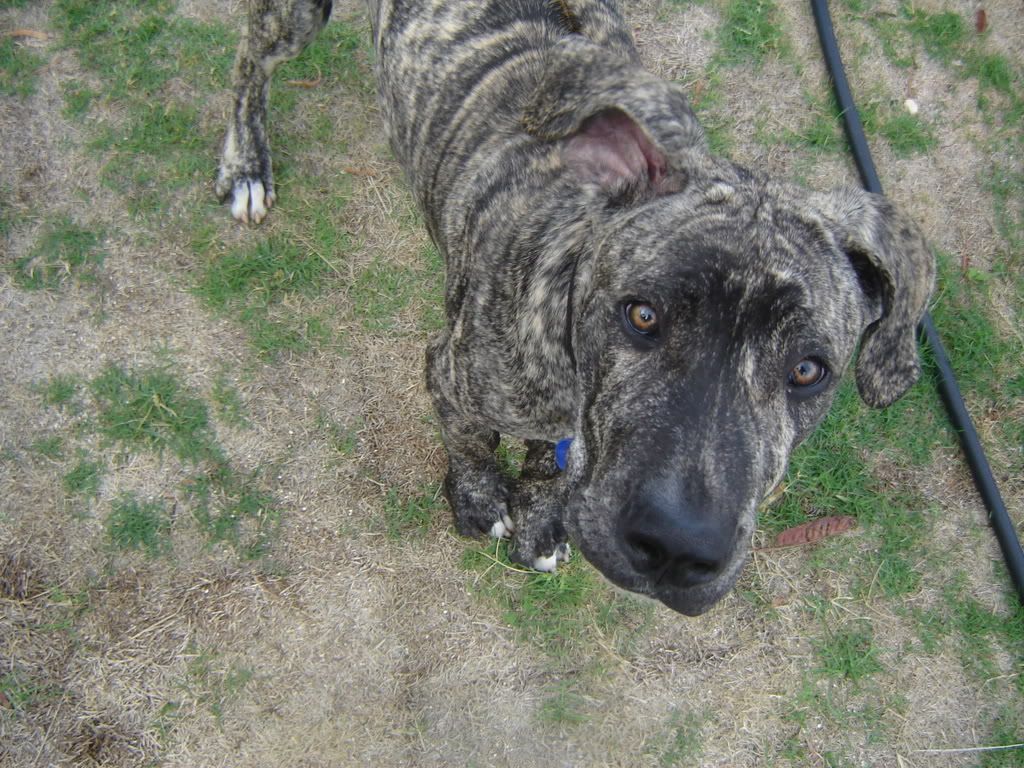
(669, 544)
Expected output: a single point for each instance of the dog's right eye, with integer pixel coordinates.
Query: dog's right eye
(808, 377)
(642, 318)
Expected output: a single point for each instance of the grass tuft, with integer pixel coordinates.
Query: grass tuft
(84, 479)
(230, 407)
(232, 507)
(254, 283)
(848, 652)
(151, 410)
(682, 745)
(50, 447)
(943, 35)
(19, 67)
(563, 704)
(751, 31)
(64, 251)
(559, 612)
(60, 391)
(135, 524)
(413, 514)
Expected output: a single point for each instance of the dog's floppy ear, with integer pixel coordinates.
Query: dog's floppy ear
(897, 271)
(623, 127)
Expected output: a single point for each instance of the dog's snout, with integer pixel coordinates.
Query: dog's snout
(670, 544)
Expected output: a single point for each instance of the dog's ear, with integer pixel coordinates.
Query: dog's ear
(623, 128)
(897, 271)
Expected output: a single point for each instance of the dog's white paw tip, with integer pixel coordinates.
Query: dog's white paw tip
(550, 564)
(503, 528)
(250, 201)
(545, 564)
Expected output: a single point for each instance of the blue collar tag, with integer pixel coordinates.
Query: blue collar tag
(562, 452)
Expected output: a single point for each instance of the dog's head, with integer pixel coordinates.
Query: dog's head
(720, 313)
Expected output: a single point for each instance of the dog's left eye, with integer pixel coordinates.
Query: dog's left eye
(807, 374)
(642, 318)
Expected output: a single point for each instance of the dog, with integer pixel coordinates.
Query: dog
(683, 319)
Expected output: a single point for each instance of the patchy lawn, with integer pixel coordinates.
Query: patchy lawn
(221, 536)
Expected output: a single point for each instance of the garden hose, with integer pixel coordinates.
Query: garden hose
(949, 390)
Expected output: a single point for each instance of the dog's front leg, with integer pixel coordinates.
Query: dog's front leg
(538, 504)
(276, 31)
(475, 489)
(474, 486)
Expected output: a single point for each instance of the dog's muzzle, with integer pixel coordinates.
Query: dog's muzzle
(672, 546)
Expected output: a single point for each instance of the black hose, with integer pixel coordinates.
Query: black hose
(949, 390)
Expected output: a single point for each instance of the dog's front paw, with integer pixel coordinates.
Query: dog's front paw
(244, 178)
(540, 538)
(549, 563)
(251, 198)
(479, 503)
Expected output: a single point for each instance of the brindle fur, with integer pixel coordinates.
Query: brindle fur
(562, 182)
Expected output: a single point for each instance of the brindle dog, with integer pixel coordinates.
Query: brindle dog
(684, 319)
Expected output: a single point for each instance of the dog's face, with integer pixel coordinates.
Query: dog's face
(722, 311)
(709, 338)
(720, 322)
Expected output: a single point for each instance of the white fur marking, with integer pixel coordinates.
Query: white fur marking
(240, 202)
(250, 201)
(502, 529)
(550, 564)
(546, 564)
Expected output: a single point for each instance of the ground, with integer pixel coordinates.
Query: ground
(221, 536)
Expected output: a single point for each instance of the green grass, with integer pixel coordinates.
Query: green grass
(380, 292)
(858, 713)
(431, 290)
(84, 478)
(60, 391)
(159, 151)
(412, 515)
(1007, 729)
(564, 704)
(993, 71)
(213, 683)
(340, 56)
(151, 410)
(139, 525)
(137, 48)
(706, 101)
(254, 282)
(751, 31)
(49, 447)
(682, 743)
(19, 68)
(943, 35)
(78, 99)
(22, 692)
(986, 358)
(559, 613)
(881, 118)
(848, 652)
(64, 252)
(228, 403)
(907, 134)
(233, 507)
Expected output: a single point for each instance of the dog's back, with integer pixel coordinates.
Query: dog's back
(454, 79)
